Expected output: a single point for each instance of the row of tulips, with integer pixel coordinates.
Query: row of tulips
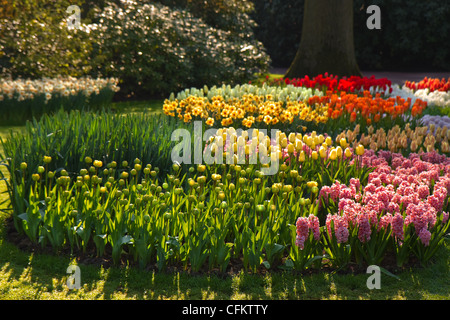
(291, 108)
(22, 100)
(401, 140)
(432, 84)
(216, 214)
(353, 84)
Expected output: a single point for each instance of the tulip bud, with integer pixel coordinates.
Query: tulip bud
(333, 154)
(47, 159)
(322, 152)
(302, 157)
(360, 150)
(348, 152)
(98, 163)
(260, 208)
(23, 166)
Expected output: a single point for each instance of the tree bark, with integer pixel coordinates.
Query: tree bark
(326, 44)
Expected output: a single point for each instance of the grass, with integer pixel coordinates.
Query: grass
(31, 275)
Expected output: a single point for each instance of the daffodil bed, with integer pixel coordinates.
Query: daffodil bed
(370, 192)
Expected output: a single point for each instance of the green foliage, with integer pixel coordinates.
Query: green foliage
(69, 137)
(413, 34)
(279, 28)
(36, 42)
(154, 50)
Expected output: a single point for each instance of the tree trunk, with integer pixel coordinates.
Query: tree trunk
(327, 40)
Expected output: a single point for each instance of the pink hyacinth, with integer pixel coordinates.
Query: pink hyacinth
(425, 236)
(340, 227)
(444, 217)
(364, 231)
(356, 183)
(384, 222)
(303, 225)
(397, 226)
(423, 191)
(313, 225)
(302, 231)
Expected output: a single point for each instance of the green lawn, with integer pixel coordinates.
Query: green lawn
(32, 275)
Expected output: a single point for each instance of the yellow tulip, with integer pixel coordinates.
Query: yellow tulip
(301, 158)
(292, 137)
(333, 154)
(348, 152)
(323, 152)
(311, 184)
(339, 151)
(343, 143)
(298, 145)
(360, 150)
(329, 141)
(314, 155)
(290, 148)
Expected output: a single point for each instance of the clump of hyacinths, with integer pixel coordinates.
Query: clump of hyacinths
(403, 209)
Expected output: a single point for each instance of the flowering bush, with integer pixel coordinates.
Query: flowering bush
(155, 49)
(20, 100)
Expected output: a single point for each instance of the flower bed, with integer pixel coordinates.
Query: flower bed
(356, 179)
(403, 209)
(333, 83)
(22, 100)
(329, 204)
(291, 108)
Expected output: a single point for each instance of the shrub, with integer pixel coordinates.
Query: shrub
(35, 42)
(154, 50)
